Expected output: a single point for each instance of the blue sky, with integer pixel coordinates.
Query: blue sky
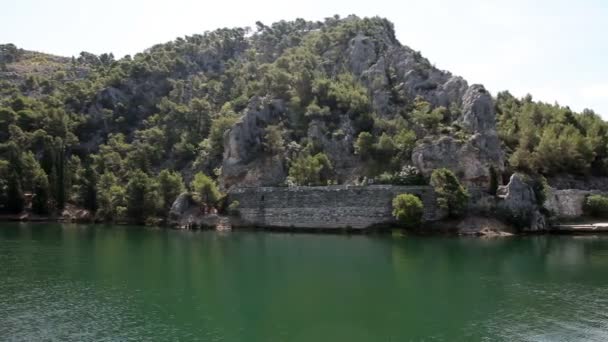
(554, 49)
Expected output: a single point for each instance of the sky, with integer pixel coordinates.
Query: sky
(555, 50)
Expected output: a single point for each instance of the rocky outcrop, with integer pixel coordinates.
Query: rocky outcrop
(474, 158)
(186, 214)
(338, 146)
(245, 162)
(478, 114)
(181, 205)
(519, 204)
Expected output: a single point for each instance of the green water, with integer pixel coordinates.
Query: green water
(101, 283)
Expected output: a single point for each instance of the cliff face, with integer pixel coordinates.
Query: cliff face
(394, 77)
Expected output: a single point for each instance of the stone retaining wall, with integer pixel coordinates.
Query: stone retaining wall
(326, 207)
(568, 203)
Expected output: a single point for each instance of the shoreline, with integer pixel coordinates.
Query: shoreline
(432, 228)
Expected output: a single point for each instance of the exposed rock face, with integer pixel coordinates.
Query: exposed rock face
(181, 205)
(478, 111)
(565, 182)
(244, 160)
(185, 213)
(519, 204)
(473, 159)
(338, 148)
(362, 53)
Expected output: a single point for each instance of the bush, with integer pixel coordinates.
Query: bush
(408, 210)
(451, 196)
(233, 208)
(409, 175)
(597, 205)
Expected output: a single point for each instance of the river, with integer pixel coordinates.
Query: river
(106, 283)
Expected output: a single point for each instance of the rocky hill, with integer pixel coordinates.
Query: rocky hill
(295, 103)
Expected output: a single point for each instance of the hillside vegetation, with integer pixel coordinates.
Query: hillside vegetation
(293, 103)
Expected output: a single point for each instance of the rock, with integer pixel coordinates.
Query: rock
(519, 204)
(517, 195)
(483, 226)
(245, 162)
(338, 146)
(181, 205)
(361, 53)
(470, 160)
(478, 114)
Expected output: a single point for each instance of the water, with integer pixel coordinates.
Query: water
(101, 283)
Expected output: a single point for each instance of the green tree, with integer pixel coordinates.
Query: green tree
(14, 194)
(273, 140)
(426, 117)
(385, 148)
(170, 186)
(451, 195)
(41, 193)
(364, 145)
(111, 198)
(311, 170)
(408, 210)
(143, 200)
(205, 189)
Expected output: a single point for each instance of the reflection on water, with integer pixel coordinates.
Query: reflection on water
(118, 283)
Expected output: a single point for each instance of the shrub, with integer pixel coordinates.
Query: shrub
(310, 170)
(233, 208)
(597, 205)
(451, 195)
(409, 175)
(408, 210)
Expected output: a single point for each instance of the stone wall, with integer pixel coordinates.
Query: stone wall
(568, 203)
(326, 207)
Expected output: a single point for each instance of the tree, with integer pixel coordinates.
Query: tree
(143, 200)
(426, 117)
(364, 146)
(310, 170)
(111, 198)
(205, 188)
(87, 194)
(41, 193)
(170, 186)
(451, 195)
(385, 148)
(408, 210)
(273, 140)
(14, 194)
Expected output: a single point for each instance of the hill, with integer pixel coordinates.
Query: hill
(295, 103)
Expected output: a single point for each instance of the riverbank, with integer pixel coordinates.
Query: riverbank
(472, 226)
